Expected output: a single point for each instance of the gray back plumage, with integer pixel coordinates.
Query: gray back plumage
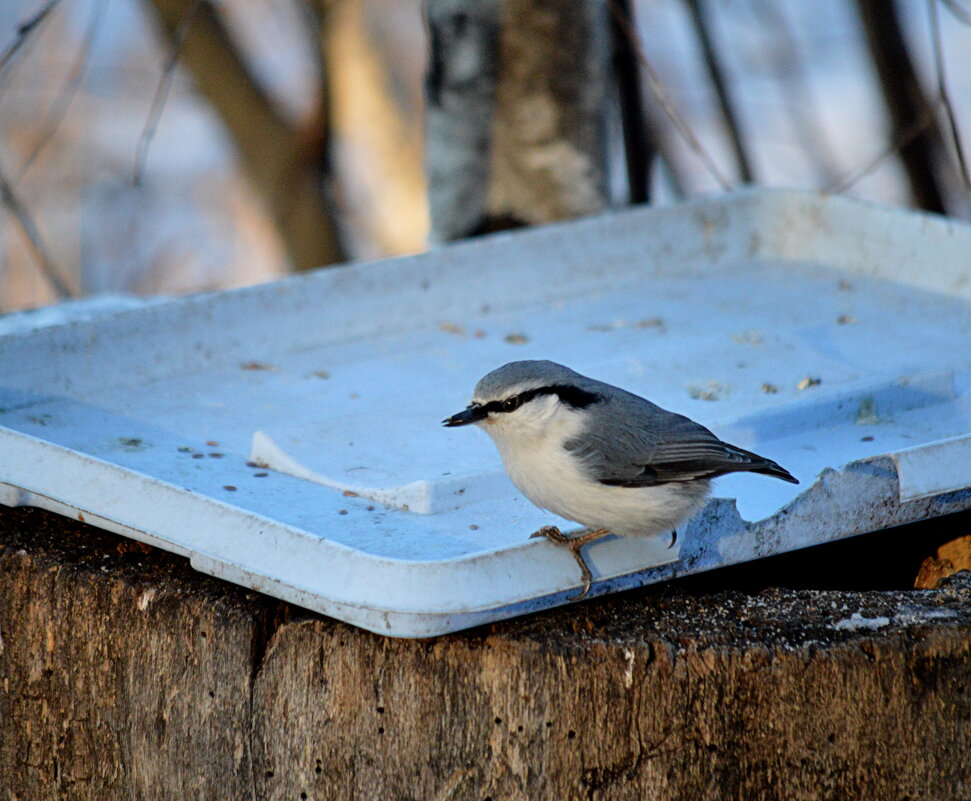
(627, 440)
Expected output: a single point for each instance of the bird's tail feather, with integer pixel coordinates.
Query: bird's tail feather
(777, 471)
(759, 464)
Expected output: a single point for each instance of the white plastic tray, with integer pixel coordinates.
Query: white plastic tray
(720, 310)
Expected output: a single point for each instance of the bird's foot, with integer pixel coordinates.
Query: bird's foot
(554, 535)
(674, 537)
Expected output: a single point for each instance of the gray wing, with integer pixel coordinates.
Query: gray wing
(633, 443)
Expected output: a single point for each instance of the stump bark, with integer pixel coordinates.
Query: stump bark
(125, 675)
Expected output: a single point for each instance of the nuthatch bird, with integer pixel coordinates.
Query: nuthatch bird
(599, 455)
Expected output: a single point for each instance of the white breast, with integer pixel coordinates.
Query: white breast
(551, 477)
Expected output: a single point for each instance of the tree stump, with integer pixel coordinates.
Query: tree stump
(126, 675)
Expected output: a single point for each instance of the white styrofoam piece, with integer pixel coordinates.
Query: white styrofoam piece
(418, 484)
(340, 379)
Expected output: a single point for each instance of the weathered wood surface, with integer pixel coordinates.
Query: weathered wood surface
(952, 557)
(126, 675)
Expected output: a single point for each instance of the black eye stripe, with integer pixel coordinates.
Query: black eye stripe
(570, 395)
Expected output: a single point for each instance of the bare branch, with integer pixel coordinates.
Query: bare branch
(959, 11)
(33, 237)
(674, 173)
(789, 68)
(290, 180)
(902, 140)
(24, 30)
(59, 108)
(162, 90)
(665, 101)
(943, 94)
(905, 100)
(722, 92)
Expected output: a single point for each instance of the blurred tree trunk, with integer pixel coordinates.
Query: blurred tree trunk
(516, 131)
(287, 165)
(638, 147)
(374, 61)
(921, 154)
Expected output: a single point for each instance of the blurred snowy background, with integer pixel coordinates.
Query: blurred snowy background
(78, 93)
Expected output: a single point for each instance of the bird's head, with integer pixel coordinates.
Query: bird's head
(526, 397)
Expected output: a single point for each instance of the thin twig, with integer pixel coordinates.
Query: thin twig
(959, 11)
(44, 262)
(59, 108)
(906, 136)
(665, 101)
(717, 76)
(162, 91)
(24, 30)
(785, 59)
(945, 99)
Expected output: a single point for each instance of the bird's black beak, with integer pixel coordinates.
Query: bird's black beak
(471, 414)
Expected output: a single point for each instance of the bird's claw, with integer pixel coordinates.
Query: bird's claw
(552, 533)
(575, 544)
(585, 574)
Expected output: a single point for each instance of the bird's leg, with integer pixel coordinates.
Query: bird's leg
(554, 535)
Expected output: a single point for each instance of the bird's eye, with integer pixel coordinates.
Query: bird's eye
(510, 404)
